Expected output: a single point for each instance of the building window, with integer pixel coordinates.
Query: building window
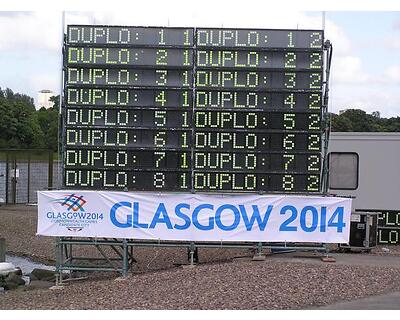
(343, 170)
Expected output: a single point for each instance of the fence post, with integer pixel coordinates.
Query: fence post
(50, 175)
(2, 250)
(125, 264)
(29, 175)
(7, 175)
(59, 260)
(14, 180)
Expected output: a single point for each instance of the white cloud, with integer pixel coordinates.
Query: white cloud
(396, 24)
(349, 70)
(392, 74)
(337, 5)
(30, 31)
(370, 98)
(255, 15)
(392, 41)
(340, 41)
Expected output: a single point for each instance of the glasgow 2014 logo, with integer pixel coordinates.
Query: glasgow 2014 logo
(74, 217)
(72, 202)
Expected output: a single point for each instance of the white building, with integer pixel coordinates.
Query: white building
(44, 99)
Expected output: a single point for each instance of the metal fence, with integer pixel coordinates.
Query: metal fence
(24, 172)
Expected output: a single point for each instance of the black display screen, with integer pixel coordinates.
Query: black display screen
(112, 98)
(129, 77)
(251, 59)
(210, 119)
(144, 36)
(256, 39)
(184, 109)
(167, 57)
(389, 228)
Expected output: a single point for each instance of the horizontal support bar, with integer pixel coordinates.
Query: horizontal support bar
(80, 268)
(94, 259)
(190, 244)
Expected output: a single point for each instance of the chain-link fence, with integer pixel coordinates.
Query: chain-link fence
(24, 172)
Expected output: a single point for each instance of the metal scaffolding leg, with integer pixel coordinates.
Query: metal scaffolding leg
(192, 249)
(125, 261)
(259, 256)
(59, 261)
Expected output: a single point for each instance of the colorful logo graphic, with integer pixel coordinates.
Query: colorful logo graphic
(73, 211)
(72, 202)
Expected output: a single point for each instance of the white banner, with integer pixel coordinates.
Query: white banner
(194, 217)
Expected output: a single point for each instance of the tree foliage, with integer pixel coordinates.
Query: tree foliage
(21, 126)
(356, 120)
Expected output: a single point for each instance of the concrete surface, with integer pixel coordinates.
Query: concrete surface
(341, 258)
(390, 301)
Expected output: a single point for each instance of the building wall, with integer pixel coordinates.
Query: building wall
(379, 168)
(43, 99)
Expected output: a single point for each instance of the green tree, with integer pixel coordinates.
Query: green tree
(56, 102)
(19, 125)
(359, 121)
(48, 122)
(341, 124)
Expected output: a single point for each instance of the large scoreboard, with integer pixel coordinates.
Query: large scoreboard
(185, 109)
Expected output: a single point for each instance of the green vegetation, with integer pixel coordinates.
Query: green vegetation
(355, 120)
(21, 126)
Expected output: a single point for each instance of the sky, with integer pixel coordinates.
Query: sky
(365, 70)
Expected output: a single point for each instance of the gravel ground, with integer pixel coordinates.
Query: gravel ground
(217, 284)
(236, 285)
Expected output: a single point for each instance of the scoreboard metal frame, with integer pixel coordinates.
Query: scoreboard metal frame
(217, 111)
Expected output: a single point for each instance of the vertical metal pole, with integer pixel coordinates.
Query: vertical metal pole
(50, 174)
(326, 250)
(191, 257)
(59, 150)
(192, 248)
(125, 264)
(131, 257)
(2, 250)
(70, 257)
(325, 115)
(325, 134)
(14, 181)
(260, 248)
(7, 175)
(29, 174)
(193, 131)
(367, 231)
(58, 260)
(326, 118)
